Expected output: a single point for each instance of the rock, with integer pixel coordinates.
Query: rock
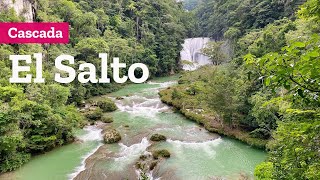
(95, 114)
(161, 153)
(119, 98)
(158, 137)
(153, 165)
(146, 163)
(111, 136)
(143, 157)
(78, 141)
(107, 119)
(107, 105)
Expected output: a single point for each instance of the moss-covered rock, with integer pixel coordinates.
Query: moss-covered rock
(107, 119)
(107, 105)
(111, 136)
(95, 114)
(158, 137)
(119, 98)
(161, 153)
(153, 165)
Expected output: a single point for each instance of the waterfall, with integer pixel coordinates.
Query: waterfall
(191, 55)
(21, 7)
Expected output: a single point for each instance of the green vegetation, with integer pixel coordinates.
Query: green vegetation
(266, 93)
(36, 118)
(95, 114)
(215, 97)
(215, 52)
(111, 135)
(233, 18)
(107, 119)
(269, 91)
(107, 105)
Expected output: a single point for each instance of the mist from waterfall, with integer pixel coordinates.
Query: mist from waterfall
(191, 55)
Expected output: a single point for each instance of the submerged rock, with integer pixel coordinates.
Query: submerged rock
(78, 141)
(161, 153)
(119, 98)
(111, 136)
(158, 137)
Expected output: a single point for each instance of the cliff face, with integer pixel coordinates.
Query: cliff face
(22, 8)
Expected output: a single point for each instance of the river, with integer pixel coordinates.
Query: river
(195, 153)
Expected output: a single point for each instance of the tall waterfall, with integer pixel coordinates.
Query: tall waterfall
(191, 55)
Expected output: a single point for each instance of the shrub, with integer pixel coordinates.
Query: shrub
(264, 171)
(107, 119)
(107, 105)
(261, 133)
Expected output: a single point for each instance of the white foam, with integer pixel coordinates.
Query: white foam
(206, 146)
(142, 106)
(82, 167)
(191, 52)
(163, 84)
(128, 154)
(93, 133)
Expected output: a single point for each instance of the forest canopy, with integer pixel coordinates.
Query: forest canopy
(35, 118)
(269, 90)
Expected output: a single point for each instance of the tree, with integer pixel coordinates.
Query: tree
(214, 51)
(311, 9)
(294, 152)
(295, 68)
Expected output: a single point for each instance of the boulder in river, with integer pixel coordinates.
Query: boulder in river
(119, 98)
(161, 153)
(158, 137)
(94, 114)
(107, 119)
(107, 105)
(111, 136)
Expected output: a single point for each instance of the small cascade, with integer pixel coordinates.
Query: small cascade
(206, 146)
(92, 135)
(145, 106)
(130, 153)
(191, 53)
(164, 84)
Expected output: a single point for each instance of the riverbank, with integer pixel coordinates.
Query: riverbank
(210, 121)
